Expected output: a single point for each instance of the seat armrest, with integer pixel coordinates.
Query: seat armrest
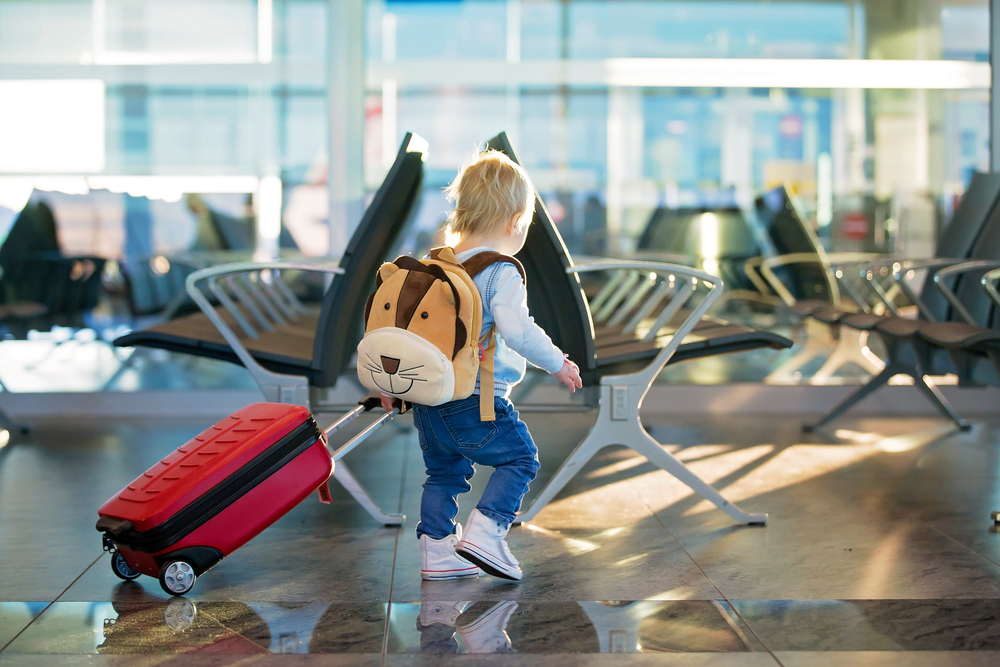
(987, 281)
(824, 259)
(276, 387)
(751, 268)
(689, 279)
(964, 267)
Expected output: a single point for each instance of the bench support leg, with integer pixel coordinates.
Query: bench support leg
(892, 368)
(852, 347)
(348, 481)
(857, 395)
(817, 344)
(627, 430)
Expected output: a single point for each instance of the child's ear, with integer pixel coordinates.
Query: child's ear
(512, 224)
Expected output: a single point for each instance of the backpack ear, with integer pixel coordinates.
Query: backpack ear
(384, 272)
(449, 296)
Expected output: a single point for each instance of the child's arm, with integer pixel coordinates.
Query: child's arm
(509, 307)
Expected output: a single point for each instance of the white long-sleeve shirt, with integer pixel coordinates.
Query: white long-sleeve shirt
(505, 304)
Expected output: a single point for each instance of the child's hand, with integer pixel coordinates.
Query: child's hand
(569, 375)
(387, 403)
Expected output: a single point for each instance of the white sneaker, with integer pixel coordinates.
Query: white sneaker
(484, 545)
(439, 561)
(488, 633)
(446, 613)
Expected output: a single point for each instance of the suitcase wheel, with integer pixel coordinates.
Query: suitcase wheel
(120, 567)
(179, 614)
(177, 577)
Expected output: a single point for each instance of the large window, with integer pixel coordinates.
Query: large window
(618, 108)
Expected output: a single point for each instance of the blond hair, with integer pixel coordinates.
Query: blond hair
(489, 190)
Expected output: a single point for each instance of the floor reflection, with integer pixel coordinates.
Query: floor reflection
(138, 622)
(567, 627)
(875, 625)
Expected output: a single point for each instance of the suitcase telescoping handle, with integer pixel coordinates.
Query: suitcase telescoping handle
(364, 405)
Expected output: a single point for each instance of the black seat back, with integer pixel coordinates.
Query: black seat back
(72, 284)
(668, 229)
(556, 301)
(340, 321)
(975, 215)
(235, 233)
(150, 288)
(790, 234)
(682, 231)
(32, 235)
(35, 270)
(968, 286)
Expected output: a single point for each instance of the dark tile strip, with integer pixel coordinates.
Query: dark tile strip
(711, 581)
(92, 563)
(395, 551)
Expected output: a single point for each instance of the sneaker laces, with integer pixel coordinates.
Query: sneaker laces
(507, 554)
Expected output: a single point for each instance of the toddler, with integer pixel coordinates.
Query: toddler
(494, 202)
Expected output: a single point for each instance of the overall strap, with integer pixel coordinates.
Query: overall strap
(486, 411)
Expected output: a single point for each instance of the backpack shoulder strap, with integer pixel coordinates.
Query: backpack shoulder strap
(474, 266)
(482, 260)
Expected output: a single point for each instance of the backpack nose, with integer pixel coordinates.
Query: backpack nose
(390, 365)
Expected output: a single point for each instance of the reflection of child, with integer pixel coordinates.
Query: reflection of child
(481, 628)
(493, 205)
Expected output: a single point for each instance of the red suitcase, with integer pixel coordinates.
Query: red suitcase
(218, 491)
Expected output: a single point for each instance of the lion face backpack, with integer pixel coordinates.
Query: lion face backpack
(422, 324)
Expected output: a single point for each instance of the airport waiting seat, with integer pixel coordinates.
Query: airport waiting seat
(801, 274)
(287, 346)
(36, 272)
(956, 242)
(625, 369)
(952, 300)
(973, 335)
(806, 283)
(154, 285)
(853, 320)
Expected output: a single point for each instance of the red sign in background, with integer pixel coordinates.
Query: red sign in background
(854, 226)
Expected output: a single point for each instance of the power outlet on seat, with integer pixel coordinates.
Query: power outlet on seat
(619, 403)
(288, 395)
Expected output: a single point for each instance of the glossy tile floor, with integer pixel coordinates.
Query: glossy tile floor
(878, 552)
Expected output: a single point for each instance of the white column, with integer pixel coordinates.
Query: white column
(345, 95)
(995, 85)
(513, 105)
(625, 158)
(737, 141)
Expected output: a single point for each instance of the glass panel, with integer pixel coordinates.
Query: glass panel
(176, 30)
(45, 31)
(638, 29)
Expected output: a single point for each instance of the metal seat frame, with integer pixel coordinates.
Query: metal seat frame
(850, 346)
(621, 396)
(914, 357)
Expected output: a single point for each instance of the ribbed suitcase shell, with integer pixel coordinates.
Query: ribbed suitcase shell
(208, 460)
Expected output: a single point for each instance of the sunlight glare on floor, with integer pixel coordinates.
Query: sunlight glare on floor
(573, 545)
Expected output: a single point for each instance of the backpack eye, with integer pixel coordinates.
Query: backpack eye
(387, 306)
(423, 315)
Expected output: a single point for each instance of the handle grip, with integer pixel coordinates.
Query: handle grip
(373, 401)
